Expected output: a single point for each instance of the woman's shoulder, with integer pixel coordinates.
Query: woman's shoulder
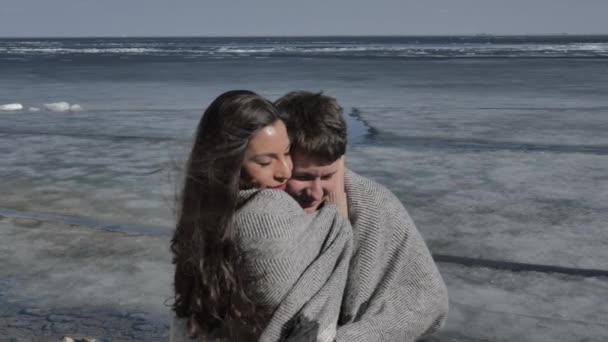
(268, 213)
(273, 213)
(268, 202)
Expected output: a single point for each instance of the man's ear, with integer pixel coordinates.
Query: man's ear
(342, 162)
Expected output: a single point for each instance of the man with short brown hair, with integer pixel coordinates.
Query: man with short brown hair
(394, 291)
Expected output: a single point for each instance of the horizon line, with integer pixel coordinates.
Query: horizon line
(317, 36)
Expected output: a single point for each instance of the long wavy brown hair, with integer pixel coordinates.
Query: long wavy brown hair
(208, 289)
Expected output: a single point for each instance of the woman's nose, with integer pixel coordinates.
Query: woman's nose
(284, 169)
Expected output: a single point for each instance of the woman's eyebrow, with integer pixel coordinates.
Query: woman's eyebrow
(269, 154)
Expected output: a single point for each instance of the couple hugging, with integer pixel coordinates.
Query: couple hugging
(277, 241)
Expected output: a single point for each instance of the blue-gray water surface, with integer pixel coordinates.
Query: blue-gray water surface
(497, 146)
(484, 137)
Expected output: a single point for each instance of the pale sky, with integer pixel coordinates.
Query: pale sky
(58, 18)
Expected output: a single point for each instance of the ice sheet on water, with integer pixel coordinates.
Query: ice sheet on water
(58, 266)
(119, 181)
(562, 124)
(499, 205)
(493, 305)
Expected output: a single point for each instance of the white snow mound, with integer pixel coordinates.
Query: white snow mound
(57, 106)
(75, 107)
(9, 107)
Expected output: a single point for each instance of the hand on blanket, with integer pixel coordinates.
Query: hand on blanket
(338, 197)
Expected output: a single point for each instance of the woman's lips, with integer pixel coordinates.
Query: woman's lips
(280, 187)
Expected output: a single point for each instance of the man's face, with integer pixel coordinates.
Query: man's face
(312, 180)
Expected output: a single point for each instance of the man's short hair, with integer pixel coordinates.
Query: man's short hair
(315, 124)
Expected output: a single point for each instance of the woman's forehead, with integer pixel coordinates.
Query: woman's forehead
(269, 138)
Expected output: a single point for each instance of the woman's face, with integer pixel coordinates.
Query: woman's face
(267, 162)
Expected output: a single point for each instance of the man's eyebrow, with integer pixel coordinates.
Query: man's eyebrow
(304, 173)
(312, 173)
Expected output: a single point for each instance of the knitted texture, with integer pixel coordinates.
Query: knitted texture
(296, 264)
(326, 280)
(394, 291)
(293, 263)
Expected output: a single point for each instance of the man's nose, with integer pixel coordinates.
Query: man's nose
(316, 190)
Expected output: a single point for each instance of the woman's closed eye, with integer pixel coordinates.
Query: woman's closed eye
(266, 161)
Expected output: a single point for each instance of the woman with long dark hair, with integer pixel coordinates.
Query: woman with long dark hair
(249, 262)
(208, 289)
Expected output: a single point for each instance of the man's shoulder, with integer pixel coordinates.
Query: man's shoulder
(357, 185)
(362, 189)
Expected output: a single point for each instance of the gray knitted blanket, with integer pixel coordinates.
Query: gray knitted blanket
(394, 291)
(295, 264)
(323, 282)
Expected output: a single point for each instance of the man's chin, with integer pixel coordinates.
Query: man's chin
(310, 210)
(311, 207)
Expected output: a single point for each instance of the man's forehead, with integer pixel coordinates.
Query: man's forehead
(304, 164)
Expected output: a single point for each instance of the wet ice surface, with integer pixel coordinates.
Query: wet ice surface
(545, 207)
(490, 305)
(24, 322)
(58, 280)
(523, 207)
(125, 175)
(535, 122)
(130, 181)
(494, 159)
(69, 280)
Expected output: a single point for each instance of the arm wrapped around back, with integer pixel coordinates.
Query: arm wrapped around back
(295, 263)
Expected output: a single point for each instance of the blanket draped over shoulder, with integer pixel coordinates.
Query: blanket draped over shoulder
(394, 291)
(326, 280)
(294, 264)
(297, 264)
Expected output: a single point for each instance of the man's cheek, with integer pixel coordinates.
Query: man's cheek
(330, 186)
(293, 188)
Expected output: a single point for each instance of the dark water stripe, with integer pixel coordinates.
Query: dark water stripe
(553, 109)
(518, 267)
(480, 145)
(87, 222)
(94, 136)
(373, 136)
(45, 113)
(359, 131)
(160, 231)
(112, 59)
(474, 308)
(355, 114)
